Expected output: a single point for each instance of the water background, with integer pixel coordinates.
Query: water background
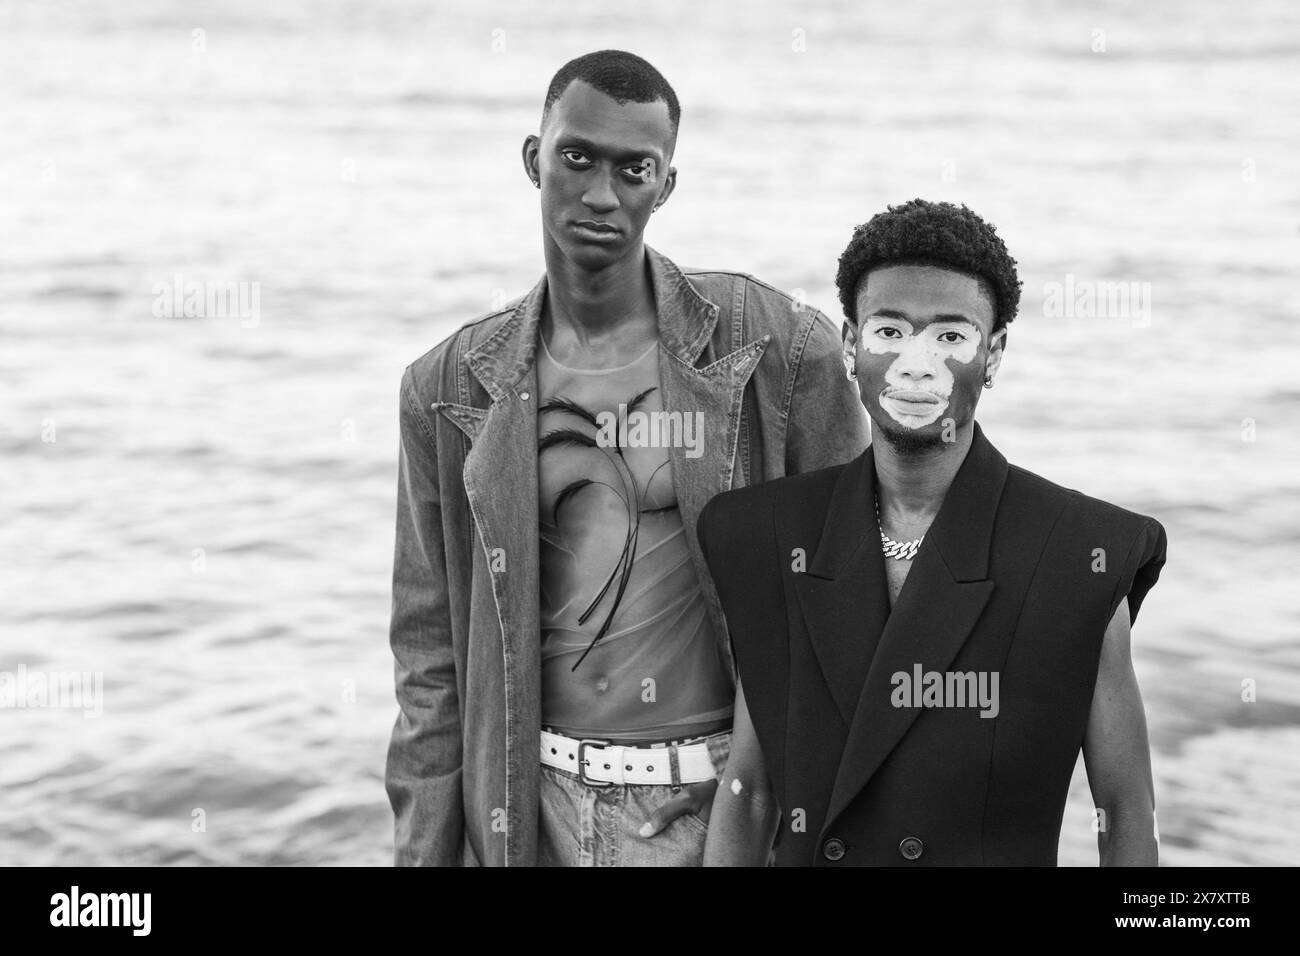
(212, 526)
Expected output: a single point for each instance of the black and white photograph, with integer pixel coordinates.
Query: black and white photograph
(783, 434)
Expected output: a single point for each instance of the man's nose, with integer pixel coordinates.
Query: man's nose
(600, 196)
(914, 360)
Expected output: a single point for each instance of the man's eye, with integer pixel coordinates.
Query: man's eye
(575, 157)
(952, 338)
(888, 332)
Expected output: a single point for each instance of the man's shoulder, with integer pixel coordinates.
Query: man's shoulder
(1129, 545)
(1077, 509)
(770, 311)
(433, 373)
(734, 279)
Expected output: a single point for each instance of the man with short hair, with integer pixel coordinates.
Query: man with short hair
(916, 684)
(563, 670)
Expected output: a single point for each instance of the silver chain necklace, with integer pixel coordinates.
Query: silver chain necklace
(898, 550)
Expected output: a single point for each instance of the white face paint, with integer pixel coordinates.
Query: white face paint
(918, 383)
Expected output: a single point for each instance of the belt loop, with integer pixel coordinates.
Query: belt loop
(672, 765)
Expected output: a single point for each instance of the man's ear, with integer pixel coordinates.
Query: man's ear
(532, 148)
(849, 339)
(997, 343)
(670, 183)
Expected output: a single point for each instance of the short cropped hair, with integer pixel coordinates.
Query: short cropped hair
(623, 77)
(930, 233)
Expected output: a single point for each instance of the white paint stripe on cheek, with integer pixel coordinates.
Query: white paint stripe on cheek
(966, 352)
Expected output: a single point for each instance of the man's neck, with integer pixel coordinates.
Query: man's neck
(912, 486)
(598, 309)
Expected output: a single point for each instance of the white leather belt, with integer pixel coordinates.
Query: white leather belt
(605, 763)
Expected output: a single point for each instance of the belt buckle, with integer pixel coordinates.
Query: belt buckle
(582, 764)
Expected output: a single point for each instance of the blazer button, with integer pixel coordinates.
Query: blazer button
(911, 848)
(833, 849)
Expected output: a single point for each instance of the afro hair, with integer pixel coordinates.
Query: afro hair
(931, 233)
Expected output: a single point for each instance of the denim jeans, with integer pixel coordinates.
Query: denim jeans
(584, 825)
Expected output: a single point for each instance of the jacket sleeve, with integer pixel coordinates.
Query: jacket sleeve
(827, 423)
(423, 771)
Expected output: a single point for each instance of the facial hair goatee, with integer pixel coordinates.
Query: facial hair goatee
(909, 443)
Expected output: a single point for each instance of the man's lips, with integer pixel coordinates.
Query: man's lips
(596, 231)
(912, 401)
(911, 395)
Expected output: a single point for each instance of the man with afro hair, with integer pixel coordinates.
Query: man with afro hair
(928, 636)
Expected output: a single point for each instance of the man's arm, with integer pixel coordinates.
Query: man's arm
(827, 423)
(423, 773)
(1118, 757)
(745, 815)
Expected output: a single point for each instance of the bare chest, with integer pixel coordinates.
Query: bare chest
(895, 575)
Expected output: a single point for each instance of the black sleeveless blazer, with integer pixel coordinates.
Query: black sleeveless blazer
(1017, 577)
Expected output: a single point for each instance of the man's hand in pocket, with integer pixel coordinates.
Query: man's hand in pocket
(696, 798)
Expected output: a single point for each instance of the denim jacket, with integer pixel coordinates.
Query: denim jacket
(463, 764)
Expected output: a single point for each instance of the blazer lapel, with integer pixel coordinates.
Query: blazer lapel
(946, 591)
(843, 595)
